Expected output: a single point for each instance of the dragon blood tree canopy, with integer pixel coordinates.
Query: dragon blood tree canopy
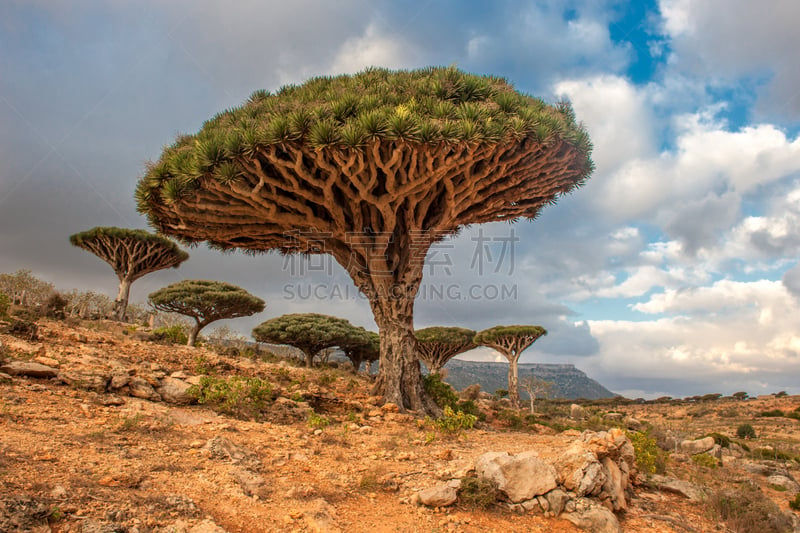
(371, 168)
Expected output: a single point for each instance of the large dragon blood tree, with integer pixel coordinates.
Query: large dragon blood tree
(132, 253)
(371, 168)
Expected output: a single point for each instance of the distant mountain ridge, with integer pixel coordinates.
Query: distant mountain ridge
(568, 381)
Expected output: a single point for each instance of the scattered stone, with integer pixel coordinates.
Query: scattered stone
(173, 390)
(119, 378)
(47, 361)
(677, 486)
(321, 517)
(390, 407)
(695, 447)
(85, 381)
(520, 477)
(94, 526)
(614, 417)
(111, 400)
(784, 481)
(576, 412)
(5, 378)
(556, 500)
(596, 519)
(438, 496)
(141, 388)
(58, 492)
(633, 423)
(222, 448)
(29, 369)
(206, 526)
(252, 484)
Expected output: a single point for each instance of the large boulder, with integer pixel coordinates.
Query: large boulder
(695, 447)
(29, 369)
(576, 412)
(614, 485)
(175, 391)
(520, 477)
(678, 486)
(579, 470)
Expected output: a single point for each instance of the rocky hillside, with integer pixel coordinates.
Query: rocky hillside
(101, 431)
(568, 381)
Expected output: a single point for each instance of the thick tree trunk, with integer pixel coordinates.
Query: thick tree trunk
(121, 303)
(400, 376)
(193, 334)
(309, 360)
(513, 381)
(356, 362)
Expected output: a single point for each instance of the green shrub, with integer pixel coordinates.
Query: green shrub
(722, 440)
(5, 304)
(455, 421)
(500, 393)
(650, 459)
(316, 421)
(441, 393)
(477, 492)
(237, 396)
(705, 460)
(745, 431)
(54, 306)
(771, 454)
(511, 418)
(795, 504)
(746, 509)
(776, 413)
(173, 334)
(326, 378)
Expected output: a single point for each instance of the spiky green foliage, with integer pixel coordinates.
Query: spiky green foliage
(132, 253)
(427, 106)
(503, 338)
(437, 345)
(510, 341)
(206, 302)
(310, 332)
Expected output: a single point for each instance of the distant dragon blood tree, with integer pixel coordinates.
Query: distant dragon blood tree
(360, 346)
(510, 341)
(371, 168)
(437, 345)
(132, 253)
(206, 302)
(309, 332)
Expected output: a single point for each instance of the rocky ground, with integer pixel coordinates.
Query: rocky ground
(98, 434)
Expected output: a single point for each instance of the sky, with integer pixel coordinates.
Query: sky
(673, 271)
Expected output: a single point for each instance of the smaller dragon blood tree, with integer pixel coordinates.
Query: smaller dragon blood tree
(132, 253)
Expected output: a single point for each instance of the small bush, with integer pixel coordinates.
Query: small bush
(795, 504)
(237, 396)
(477, 492)
(24, 329)
(511, 419)
(316, 421)
(5, 304)
(746, 509)
(774, 413)
(771, 454)
(500, 393)
(650, 459)
(326, 378)
(722, 440)
(441, 393)
(172, 334)
(745, 431)
(54, 306)
(705, 460)
(455, 421)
